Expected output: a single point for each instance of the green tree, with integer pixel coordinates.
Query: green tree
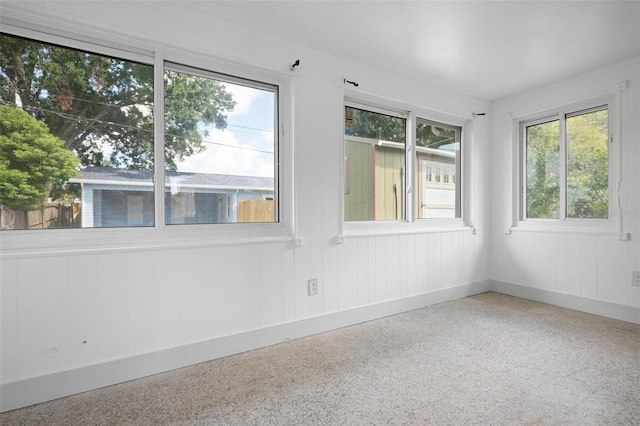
(102, 107)
(587, 165)
(373, 125)
(587, 169)
(32, 160)
(189, 101)
(543, 170)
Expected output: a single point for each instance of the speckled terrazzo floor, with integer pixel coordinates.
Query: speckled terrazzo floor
(488, 359)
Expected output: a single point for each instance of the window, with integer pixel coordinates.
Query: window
(230, 169)
(76, 143)
(566, 165)
(438, 144)
(91, 161)
(374, 144)
(381, 169)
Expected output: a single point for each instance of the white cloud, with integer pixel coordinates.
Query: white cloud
(243, 96)
(235, 151)
(230, 160)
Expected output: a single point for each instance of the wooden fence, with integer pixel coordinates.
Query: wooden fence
(256, 211)
(52, 215)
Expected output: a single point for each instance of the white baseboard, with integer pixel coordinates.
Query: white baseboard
(592, 306)
(22, 393)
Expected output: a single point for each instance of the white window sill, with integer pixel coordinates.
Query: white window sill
(567, 229)
(35, 243)
(388, 228)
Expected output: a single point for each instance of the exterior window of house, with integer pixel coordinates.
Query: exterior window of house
(76, 138)
(375, 145)
(566, 165)
(230, 169)
(429, 174)
(438, 143)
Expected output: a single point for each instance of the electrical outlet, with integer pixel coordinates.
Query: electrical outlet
(313, 286)
(635, 278)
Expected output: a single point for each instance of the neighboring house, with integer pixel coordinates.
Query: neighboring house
(375, 179)
(119, 197)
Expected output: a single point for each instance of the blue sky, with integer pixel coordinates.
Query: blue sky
(245, 147)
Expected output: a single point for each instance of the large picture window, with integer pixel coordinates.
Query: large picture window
(77, 145)
(566, 170)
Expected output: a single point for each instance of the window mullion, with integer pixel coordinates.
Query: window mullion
(410, 167)
(524, 214)
(563, 167)
(158, 131)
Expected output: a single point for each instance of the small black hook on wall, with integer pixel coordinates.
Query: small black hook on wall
(294, 65)
(353, 83)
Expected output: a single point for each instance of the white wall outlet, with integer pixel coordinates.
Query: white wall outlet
(313, 286)
(635, 278)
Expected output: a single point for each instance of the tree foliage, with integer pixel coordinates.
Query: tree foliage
(189, 101)
(101, 107)
(32, 160)
(587, 165)
(543, 170)
(373, 125)
(587, 168)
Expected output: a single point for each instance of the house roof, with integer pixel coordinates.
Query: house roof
(112, 176)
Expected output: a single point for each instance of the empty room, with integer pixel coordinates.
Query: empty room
(373, 212)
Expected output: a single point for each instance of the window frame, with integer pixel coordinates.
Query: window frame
(410, 224)
(233, 79)
(83, 240)
(561, 114)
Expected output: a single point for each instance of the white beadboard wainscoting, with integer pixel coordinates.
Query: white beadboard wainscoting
(72, 323)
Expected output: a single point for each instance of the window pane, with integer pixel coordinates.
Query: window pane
(588, 165)
(542, 170)
(374, 148)
(437, 149)
(76, 138)
(220, 150)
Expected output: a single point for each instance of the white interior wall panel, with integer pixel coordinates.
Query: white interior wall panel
(145, 300)
(9, 321)
(165, 293)
(65, 311)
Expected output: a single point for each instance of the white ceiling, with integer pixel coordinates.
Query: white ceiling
(488, 50)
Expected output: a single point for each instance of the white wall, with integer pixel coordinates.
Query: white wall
(588, 265)
(149, 310)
